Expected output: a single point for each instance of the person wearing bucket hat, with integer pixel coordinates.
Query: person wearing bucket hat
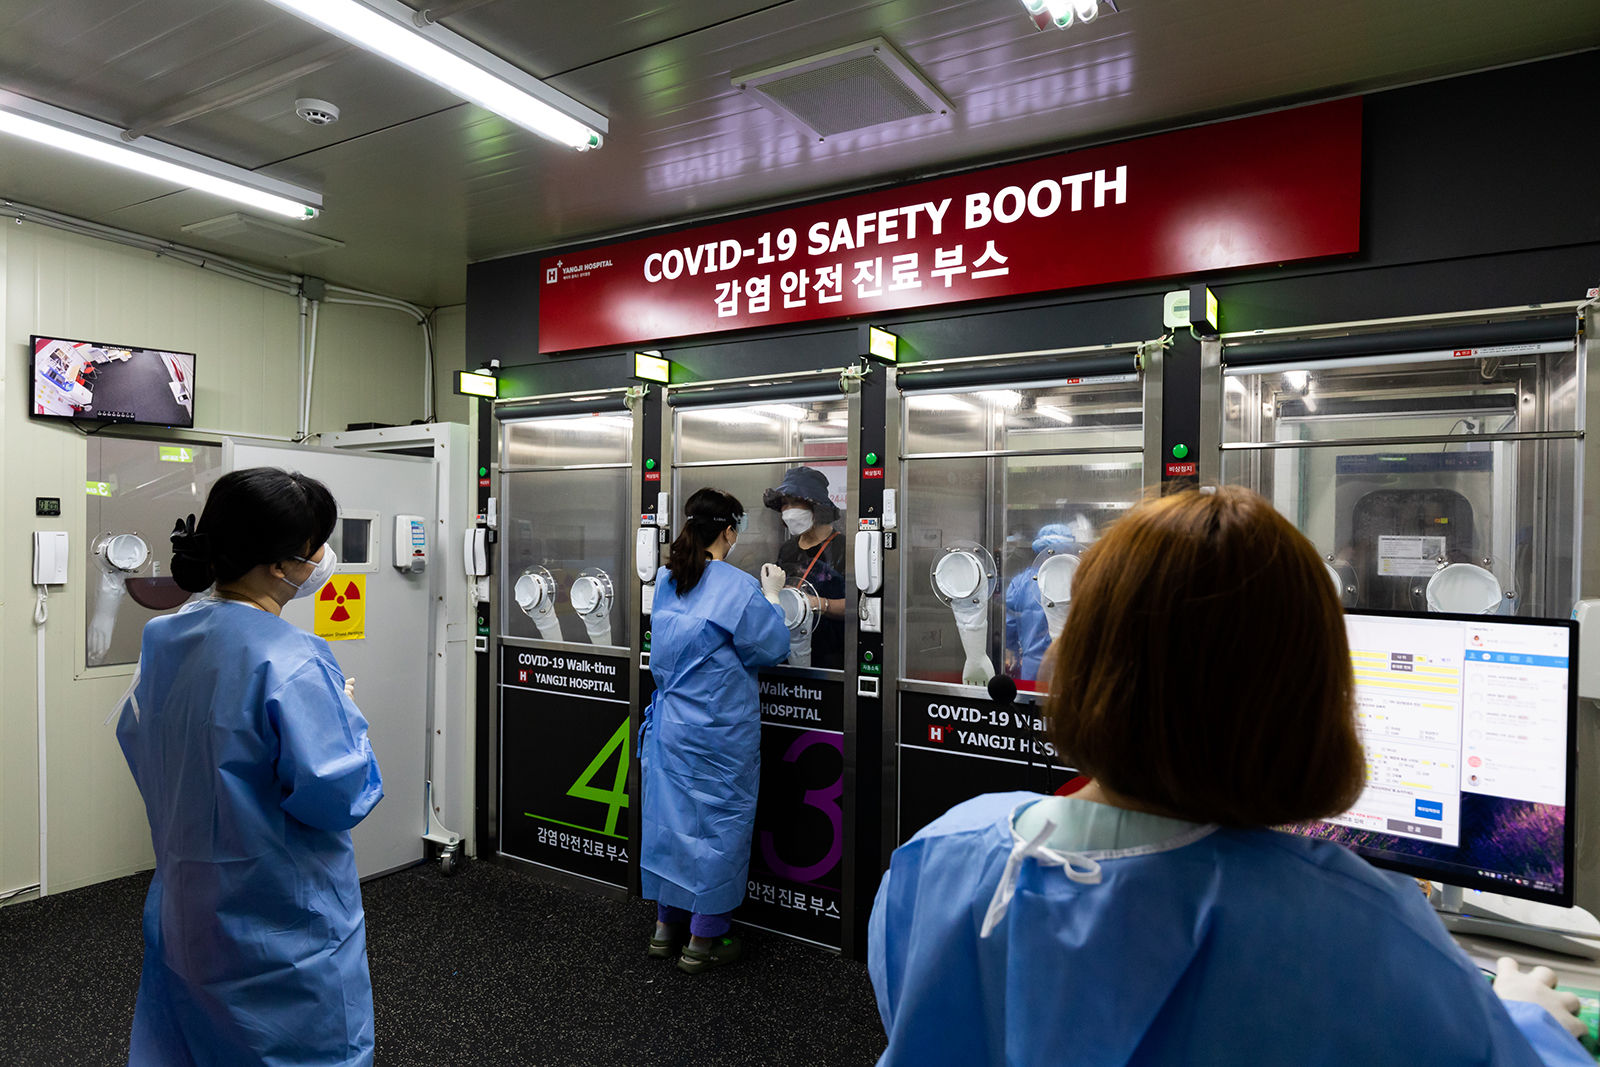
(813, 551)
(1027, 630)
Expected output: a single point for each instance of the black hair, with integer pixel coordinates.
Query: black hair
(706, 514)
(254, 516)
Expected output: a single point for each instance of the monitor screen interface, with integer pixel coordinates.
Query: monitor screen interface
(111, 383)
(1467, 724)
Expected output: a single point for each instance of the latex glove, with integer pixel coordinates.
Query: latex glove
(108, 600)
(772, 580)
(972, 623)
(1538, 986)
(350, 688)
(599, 627)
(1055, 619)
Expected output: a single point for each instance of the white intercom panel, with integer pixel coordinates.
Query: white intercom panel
(50, 557)
(869, 561)
(646, 554)
(410, 544)
(477, 553)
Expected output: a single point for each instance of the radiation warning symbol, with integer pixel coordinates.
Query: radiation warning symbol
(342, 608)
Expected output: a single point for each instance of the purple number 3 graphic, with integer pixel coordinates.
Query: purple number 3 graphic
(824, 800)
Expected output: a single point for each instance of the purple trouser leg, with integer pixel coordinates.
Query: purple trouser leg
(699, 925)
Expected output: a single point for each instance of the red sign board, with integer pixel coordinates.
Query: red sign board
(1264, 189)
(1183, 470)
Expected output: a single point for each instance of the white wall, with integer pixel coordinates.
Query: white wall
(369, 369)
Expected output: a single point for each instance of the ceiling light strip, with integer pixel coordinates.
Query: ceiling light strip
(71, 132)
(385, 28)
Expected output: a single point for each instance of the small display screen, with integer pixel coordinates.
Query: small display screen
(470, 384)
(111, 383)
(1467, 722)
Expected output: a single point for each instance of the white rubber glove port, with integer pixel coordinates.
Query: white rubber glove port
(799, 648)
(599, 627)
(772, 580)
(107, 601)
(1538, 986)
(972, 623)
(1055, 617)
(544, 617)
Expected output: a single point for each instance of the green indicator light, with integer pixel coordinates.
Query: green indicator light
(872, 459)
(867, 656)
(1179, 451)
(649, 464)
(483, 472)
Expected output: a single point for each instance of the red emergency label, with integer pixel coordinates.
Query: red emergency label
(872, 472)
(1182, 470)
(652, 476)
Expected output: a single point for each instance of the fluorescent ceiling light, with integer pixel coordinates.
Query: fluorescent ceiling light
(70, 132)
(386, 28)
(1059, 414)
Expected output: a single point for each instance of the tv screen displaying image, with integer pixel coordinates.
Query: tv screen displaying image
(111, 383)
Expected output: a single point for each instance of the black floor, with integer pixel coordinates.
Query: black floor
(490, 967)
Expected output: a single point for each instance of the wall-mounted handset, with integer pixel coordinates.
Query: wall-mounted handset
(50, 557)
(591, 598)
(646, 554)
(410, 544)
(964, 576)
(869, 561)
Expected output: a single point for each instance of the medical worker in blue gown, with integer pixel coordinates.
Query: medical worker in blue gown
(1203, 682)
(254, 765)
(1027, 631)
(711, 627)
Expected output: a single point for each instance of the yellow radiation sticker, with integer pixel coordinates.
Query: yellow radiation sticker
(342, 608)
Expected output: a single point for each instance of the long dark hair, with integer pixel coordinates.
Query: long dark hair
(254, 516)
(706, 514)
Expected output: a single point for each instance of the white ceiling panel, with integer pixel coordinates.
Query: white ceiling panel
(417, 184)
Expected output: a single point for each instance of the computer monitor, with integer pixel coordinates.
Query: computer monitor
(111, 383)
(1469, 727)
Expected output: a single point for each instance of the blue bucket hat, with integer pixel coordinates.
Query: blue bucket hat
(804, 483)
(1054, 536)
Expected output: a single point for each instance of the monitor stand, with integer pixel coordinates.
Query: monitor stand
(1571, 931)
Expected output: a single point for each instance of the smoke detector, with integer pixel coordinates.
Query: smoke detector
(847, 89)
(316, 112)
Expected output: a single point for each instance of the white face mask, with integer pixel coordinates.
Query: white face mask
(798, 520)
(731, 546)
(320, 572)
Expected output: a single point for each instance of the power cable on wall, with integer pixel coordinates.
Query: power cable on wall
(266, 278)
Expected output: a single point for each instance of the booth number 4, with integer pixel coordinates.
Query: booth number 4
(615, 798)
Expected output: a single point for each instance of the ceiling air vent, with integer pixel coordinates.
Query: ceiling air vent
(262, 237)
(846, 89)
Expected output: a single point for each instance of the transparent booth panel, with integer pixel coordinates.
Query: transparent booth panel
(565, 442)
(1027, 515)
(1463, 524)
(810, 433)
(136, 491)
(569, 531)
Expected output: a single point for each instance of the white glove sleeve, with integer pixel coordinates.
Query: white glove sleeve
(772, 580)
(799, 649)
(544, 617)
(1538, 986)
(1055, 617)
(972, 623)
(599, 627)
(107, 600)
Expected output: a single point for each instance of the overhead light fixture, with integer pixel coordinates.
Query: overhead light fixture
(101, 141)
(877, 343)
(386, 28)
(1062, 13)
(652, 367)
(472, 383)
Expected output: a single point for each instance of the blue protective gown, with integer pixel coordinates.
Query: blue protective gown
(1027, 630)
(700, 745)
(1239, 947)
(253, 765)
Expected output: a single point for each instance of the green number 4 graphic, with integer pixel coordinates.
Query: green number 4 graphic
(615, 798)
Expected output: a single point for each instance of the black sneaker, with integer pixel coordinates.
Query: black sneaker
(724, 949)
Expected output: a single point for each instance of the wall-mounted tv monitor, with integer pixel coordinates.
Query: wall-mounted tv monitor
(1468, 724)
(111, 383)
